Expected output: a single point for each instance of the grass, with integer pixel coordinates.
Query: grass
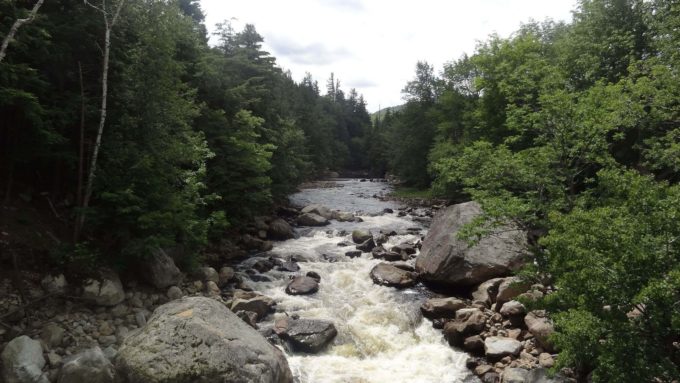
(411, 192)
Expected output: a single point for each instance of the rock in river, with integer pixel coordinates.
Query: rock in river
(197, 339)
(447, 260)
(302, 285)
(311, 219)
(306, 335)
(393, 275)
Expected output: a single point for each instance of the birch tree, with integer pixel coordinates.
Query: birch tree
(15, 27)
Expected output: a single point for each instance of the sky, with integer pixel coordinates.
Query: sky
(374, 45)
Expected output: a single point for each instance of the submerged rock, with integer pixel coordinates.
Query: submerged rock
(198, 339)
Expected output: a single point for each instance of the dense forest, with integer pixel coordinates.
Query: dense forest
(573, 132)
(123, 120)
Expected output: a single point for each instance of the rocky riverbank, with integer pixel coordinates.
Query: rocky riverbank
(152, 329)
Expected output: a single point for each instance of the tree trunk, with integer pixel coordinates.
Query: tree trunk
(102, 116)
(81, 151)
(15, 27)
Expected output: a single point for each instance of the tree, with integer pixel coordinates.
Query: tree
(15, 27)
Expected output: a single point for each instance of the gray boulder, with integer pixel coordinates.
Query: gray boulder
(468, 322)
(302, 285)
(366, 246)
(319, 210)
(107, 290)
(361, 236)
(89, 366)
(541, 327)
(343, 216)
(197, 339)
(441, 307)
(280, 230)
(22, 361)
(515, 375)
(54, 284)
(306, 335)
(161, 270)
(260, 305)
(393, 275)
(311, 219)
(486, 292)
(497, 347)
(509, 289)
(445, 259)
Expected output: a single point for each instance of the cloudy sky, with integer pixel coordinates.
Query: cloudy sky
(373, 45)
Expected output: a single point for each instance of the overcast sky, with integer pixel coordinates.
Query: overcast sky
(373, 45)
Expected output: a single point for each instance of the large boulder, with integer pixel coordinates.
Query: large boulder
(302, 285)
(260, 305)
(497, 347)
(311, 219)
(515, 375)
(107, 290)
(160, 270)
(88, 366)
(486, 292)
(366, 246)
(22, 361)
(197, 339)
(541, 327)
(280, 230)
(393, 275)
(319, 210)
(447, 260)
(306, 335)
(509, 289)
(441, 307)
(361, 236)
(468, 322)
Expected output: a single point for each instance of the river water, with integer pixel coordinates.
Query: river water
(381, 334)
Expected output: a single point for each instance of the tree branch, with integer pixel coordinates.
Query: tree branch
(15, 27)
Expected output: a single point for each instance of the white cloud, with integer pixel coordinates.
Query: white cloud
(373, 45)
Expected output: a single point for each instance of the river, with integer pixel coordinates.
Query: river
(382, 336)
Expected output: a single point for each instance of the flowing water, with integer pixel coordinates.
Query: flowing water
(381, 334)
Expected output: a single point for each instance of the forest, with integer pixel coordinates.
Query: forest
(121, 121)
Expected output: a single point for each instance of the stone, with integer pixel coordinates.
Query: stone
(140, 319)
(540, 375)
(263, 265)
(107, 340)
(509, 289)
(393, 275)
(248, 317)
(23, 361)
(546, 360)
(441, 307)
(468, 322)
(280, 230)
(89, 366)
(226, 274)
(160, 270)
(483, 369)
(54, 284)
(361, 236)
(343, 216)
(302, 285)
(366, 246)
(406, 248)
(445, 259)
(318, 210)
(197, 337)
(353, 253)
(496, 348)
(52, 335)
(486, 292)
(474, 345)
(260, 305)
(311, 219)
(515, 375)
(306, 335)
(107, 290)
(209, 274)
(541, 328)
(54, 359)
(513, 308)
(314, 275)
(174, 292)
(212, 289)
